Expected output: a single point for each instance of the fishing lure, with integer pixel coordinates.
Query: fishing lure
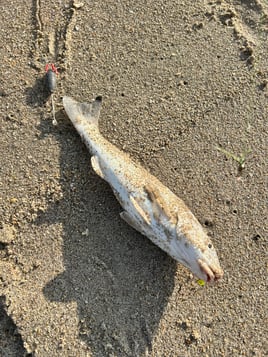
(51, 83)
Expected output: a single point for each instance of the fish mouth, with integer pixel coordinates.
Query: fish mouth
(210, 273)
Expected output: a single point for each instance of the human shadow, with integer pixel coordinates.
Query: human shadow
(120, 281)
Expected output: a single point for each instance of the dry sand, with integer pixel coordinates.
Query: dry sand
(179, 79)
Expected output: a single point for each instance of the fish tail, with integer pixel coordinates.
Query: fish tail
(79, 112)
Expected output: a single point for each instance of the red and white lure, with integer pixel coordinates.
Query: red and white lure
(51, 83)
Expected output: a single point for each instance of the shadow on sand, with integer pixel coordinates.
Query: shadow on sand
(37, 95)
(120, 281)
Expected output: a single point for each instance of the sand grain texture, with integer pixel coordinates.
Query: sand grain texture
(179, 79)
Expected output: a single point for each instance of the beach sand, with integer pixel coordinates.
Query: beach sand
(179, 80)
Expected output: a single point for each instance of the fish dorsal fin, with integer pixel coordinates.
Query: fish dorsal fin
(76, 111)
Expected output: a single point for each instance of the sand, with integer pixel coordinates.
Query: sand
(179, 80)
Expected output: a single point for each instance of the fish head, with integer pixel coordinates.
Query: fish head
(195, 250)
(209, 268)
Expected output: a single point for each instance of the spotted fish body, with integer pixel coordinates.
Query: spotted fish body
(148, 205)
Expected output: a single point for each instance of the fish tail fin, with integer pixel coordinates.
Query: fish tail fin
(78, 111)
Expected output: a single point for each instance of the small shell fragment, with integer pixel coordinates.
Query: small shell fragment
(78, 5)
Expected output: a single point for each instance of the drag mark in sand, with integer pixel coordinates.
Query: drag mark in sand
(52, 34)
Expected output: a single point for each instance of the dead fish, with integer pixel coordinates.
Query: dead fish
(148, 206)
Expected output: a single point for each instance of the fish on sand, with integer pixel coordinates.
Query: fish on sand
(148, 206)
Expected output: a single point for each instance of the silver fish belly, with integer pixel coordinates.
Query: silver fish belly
(148, 206)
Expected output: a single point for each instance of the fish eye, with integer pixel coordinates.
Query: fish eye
(210, 245)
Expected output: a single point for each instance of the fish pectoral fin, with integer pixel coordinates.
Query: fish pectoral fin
(130, 221)
(144, 216)
(96, 166)
(159, 206)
